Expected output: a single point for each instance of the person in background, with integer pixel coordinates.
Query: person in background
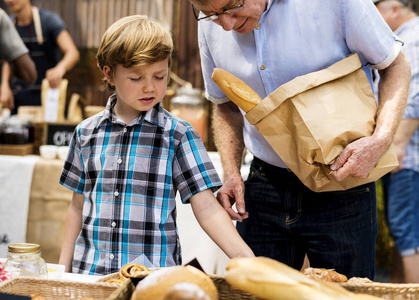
(47, 39)
(402, 184)
(14, 51)
(267, 43)
(126, 164)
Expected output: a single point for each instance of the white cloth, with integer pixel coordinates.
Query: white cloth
(15, 186)
(195, 243)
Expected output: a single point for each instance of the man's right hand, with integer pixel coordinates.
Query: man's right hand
(232, 192)
(6, 97)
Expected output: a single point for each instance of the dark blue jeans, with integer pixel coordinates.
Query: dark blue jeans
(337, 230)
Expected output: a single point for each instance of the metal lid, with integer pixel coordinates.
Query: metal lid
(24, 248)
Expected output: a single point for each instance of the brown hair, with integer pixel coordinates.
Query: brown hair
(134, 41)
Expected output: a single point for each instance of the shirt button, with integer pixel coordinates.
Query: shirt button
(113, 224)
(262, 67)
(111, 256)
(125, 129)
(258, 26)
(119, 161)
(116, 193)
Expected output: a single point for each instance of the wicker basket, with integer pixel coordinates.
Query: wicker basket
(385, 290)
(59, 289)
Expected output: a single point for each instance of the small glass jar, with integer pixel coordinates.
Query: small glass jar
(24, 259)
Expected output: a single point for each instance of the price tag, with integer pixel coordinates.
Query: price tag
(51, 105)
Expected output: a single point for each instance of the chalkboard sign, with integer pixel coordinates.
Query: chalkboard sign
(59, 134)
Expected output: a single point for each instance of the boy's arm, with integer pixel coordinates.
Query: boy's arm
(73, 225)
(215, 221)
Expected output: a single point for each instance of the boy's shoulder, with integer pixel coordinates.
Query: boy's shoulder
(91, 122)
(178, 123)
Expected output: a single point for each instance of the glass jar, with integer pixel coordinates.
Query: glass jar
(189, 105)
(24, 259)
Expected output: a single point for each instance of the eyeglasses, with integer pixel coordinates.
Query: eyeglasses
(214, 16)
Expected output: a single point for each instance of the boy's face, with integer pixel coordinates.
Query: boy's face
(139, 88)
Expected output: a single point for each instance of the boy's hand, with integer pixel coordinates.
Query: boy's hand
(232, 192)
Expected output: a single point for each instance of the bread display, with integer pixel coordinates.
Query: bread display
(325, 274)
(269, 279)
(236, 90)
(160, 284)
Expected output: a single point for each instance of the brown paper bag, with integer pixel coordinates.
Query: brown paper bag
(309, 120)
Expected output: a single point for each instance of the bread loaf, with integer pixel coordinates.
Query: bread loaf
(157, 285)
(236, 90)
(270, 279)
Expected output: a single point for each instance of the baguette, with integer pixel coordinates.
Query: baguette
(236, 90)
(269, 279)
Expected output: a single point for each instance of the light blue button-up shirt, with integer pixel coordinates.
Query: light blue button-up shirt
(295, 37)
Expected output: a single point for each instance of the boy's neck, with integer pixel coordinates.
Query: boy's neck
(125, 115)
(24, 17)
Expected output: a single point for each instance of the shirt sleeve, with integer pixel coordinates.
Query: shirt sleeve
(73, 176)
(54, 24)
(193, 170)
(11, 45)
(367, 34)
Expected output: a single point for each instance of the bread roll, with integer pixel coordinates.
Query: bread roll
(270, 279)
(236, 90)
(132, 271)
(324, 274)
(156, 285)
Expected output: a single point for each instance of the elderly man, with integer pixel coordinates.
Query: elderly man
(267, 43)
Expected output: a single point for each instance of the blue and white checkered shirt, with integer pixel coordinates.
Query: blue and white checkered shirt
(409, 33)
(129, 175)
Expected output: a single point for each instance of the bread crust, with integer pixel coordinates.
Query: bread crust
(325, 274)
(156, 285)
(236, 90)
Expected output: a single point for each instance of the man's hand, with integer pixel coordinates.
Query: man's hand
(6, 97)
(54, 76)
(232, 192)
(358, 158)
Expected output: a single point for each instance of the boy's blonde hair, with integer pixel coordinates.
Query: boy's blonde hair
(134, 41)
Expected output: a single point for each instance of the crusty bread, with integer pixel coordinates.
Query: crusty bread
(236, 90)
(270, 279)
(325, 274)
(157, 285)
(186, 291)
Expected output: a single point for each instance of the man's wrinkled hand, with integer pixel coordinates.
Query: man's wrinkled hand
(358, 158)
(232, 192)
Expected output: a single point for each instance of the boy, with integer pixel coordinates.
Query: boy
(126, 164)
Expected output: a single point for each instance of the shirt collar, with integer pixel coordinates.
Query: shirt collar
(154, 116)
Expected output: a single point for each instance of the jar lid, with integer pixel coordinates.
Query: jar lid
(24, 248)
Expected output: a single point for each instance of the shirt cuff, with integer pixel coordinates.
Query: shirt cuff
(397, 46)
(216, 100)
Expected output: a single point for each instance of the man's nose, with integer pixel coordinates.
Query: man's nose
(227, 21)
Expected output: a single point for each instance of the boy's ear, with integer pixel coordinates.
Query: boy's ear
(107, 71)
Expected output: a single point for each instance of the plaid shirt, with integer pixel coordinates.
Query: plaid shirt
(129, 175)
(408, 32)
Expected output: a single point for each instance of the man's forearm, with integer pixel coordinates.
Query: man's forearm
(393, 91)
(228, 136)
